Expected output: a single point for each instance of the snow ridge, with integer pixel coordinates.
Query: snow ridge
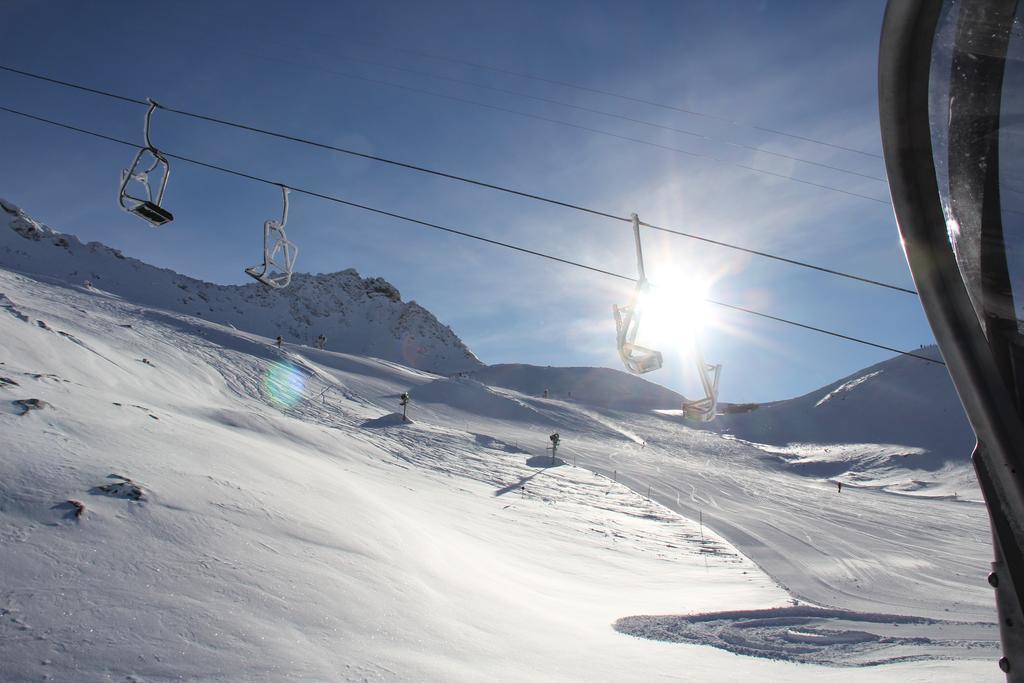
(870, 429)
(364, 316)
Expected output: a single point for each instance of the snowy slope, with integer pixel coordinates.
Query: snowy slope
(291, 527)
(902, 414)
(359, 315)
(897, 425)
(256, 514)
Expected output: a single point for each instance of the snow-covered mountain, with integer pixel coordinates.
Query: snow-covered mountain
(184, 500)
(179, 498)
(901, 413)
(905, 410)
(358, 315)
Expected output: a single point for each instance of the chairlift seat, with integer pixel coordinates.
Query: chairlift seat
(254, 272)
(705, 409)
(650, 362)
(641, 359)
(701, 409)
(272, 280)
(637, 359)
(698, 413)
(153, 214)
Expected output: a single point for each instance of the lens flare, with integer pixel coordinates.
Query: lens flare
(284, 383)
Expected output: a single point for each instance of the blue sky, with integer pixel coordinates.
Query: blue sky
(808, 68)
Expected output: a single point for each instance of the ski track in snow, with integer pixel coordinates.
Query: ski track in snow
(900, 581)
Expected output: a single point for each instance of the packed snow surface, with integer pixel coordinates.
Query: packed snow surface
(180, 499)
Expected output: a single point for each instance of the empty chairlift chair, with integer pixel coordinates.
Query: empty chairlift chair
(278, 253)
(639, 359)
(704, 409)
(146, 207)
(636, 358)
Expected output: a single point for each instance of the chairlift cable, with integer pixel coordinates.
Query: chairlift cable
(598, 131)
(640, 100)
(783, 259)
(637, 140)
(463, 179)
(576, 86)
(454, 231)
(601, 112)
(569, 105)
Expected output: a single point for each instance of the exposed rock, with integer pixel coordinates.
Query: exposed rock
(29, 404)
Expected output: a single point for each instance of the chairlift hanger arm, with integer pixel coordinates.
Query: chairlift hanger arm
(639, 249)
(284, 211)
(153, 104)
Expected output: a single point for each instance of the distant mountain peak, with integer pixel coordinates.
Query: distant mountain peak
(364, 316)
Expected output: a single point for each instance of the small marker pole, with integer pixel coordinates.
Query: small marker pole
(700, 516)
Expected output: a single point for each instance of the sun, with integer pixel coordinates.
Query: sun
(673, 311)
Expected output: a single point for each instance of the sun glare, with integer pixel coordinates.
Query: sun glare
(673, 311)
